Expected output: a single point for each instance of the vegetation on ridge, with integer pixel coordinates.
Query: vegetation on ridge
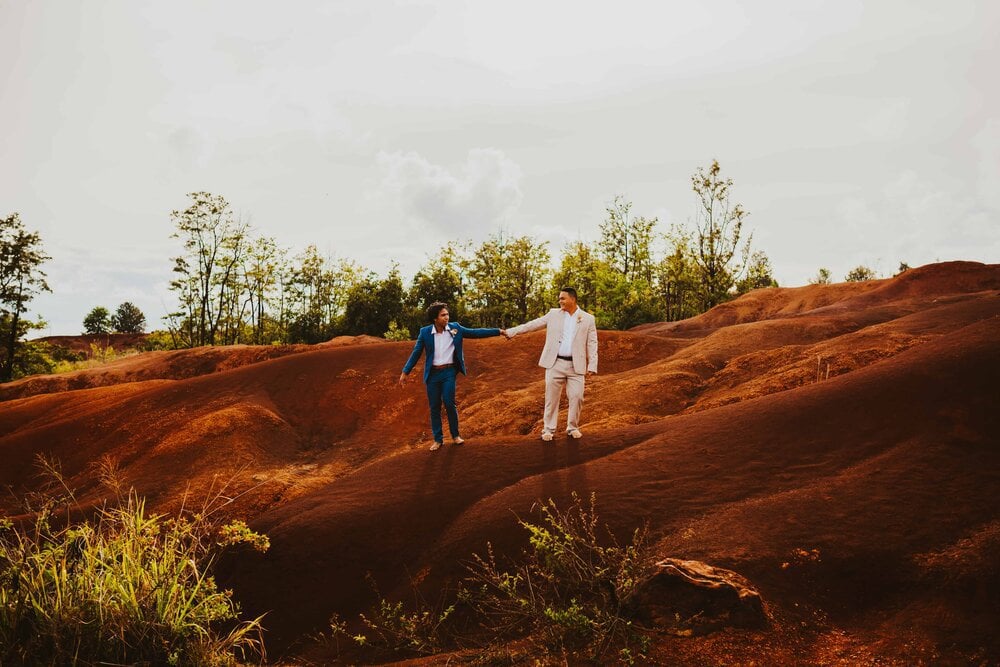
(125, 586)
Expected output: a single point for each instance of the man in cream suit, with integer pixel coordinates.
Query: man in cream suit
(569, 355)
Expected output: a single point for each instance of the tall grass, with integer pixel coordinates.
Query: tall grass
(124, 586)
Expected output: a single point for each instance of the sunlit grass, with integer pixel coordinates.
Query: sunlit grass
(125, 586)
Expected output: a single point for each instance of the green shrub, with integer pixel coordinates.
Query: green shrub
(123, 587)
(391, 627)
(396, 332)
(567, 596)
(571, 589)
(159, 340)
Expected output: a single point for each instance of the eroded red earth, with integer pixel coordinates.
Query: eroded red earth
(838, 445)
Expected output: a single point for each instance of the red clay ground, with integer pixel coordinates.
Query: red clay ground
(857, 423)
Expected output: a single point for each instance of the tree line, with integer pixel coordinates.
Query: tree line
(233, 285)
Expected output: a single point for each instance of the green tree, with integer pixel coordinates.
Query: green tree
(718, 229)
(21, 280)
(396, 332)
(509, 280)
(677, 275)
(317, 295)
(823, 277)
(261, 272)
(97, 322)
(581, 268)
(444, 278)
(372, 304)
(207, 282)
(860, 273)
(626, 241)
(128, 319)
(625, 276)
(30, 357)
(758, 274)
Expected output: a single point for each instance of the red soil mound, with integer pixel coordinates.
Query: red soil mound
(86, 342)
(860, 500)
(164, 365)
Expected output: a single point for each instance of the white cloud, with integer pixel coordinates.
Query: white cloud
(917, 221)
(478, 197)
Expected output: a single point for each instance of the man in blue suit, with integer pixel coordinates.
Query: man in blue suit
(441, 342)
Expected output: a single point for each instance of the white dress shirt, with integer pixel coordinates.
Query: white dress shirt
(568, 331)
(444, 347)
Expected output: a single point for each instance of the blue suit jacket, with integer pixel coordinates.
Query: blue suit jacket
(425, 343)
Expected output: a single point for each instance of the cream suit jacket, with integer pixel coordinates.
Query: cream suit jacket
(584, 342)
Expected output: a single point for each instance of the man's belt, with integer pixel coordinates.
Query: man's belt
(559, 356)
(437, 368)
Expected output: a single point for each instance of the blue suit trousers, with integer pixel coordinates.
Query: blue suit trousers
(441, 388)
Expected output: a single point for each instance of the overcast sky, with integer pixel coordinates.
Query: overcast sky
(855, 132)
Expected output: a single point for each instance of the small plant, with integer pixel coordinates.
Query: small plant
(396, 332)
(390, 627)
(860, 273)
(572, 588)
(126, 586)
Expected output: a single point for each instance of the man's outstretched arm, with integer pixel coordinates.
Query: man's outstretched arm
(478, 333)
(533, 325)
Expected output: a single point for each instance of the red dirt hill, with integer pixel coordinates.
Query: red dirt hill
(856, 423)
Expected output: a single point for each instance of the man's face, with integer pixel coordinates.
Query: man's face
(566, 301)
(441, 321)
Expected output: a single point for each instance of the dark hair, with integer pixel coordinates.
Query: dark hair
(435, 309)
(568, 290)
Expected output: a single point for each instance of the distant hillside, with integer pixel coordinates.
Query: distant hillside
(84, 342)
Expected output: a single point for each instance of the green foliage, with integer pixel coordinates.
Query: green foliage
(719, 223)
(444, 278)
(128, 319)
(34, 358)
(159, 340)
(317, 294)
(903, 268)
(758, 274)
(21, 280)
(208, 282)
(616, 279)
(232, 287)
(571, 589)
(823, 277)
(392, 627)
(261, 274)
(860, 273)
(626, 241)
(123, 587)
(372, 304)
(97, 322)
(396, 332)
(624, 274)
(510, 280)
(581, 269)
(677, 282)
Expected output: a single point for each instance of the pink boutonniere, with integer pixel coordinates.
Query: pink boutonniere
(579, 319)
(452, 331)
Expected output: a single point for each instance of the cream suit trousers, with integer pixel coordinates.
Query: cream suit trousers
(562, 374)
